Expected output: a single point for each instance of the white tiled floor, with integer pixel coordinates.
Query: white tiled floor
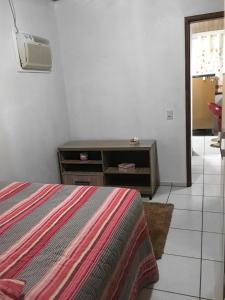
(192, 265)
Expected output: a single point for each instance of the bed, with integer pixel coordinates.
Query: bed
(74, 242)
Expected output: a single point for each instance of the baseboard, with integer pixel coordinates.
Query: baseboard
(179, 184)
(165, 183)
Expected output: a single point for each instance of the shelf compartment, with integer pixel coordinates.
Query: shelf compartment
(82, 173)
(75, 155)
(137, 171)
(128, 180)
(81, 162)
(84, 167)
(114, 158)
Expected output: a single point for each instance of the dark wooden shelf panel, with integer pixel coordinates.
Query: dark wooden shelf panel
(81, 162)
(81, 173)
(135, 171)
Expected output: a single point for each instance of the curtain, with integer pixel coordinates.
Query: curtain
(207, 53)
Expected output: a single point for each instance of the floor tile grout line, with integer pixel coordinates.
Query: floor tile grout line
(184, 229)
(207, 211)
(198, 210)
(170, 292)
(197, 195)
(213, 260)
(184, 256)
(202, 225)
(197, 230)
(204, 231)
(169, 193)
(192, 257)
(215, 196)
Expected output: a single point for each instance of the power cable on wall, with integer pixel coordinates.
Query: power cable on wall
(13, 14)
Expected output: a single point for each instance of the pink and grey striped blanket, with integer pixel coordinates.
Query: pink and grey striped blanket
(75, 242)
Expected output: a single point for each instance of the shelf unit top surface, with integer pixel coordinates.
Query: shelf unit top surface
(106, 144)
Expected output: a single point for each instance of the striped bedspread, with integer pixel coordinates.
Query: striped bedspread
(74, 242)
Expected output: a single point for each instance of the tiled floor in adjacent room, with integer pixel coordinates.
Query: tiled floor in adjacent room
(192, 265)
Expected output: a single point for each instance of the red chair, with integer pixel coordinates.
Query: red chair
(217, 112)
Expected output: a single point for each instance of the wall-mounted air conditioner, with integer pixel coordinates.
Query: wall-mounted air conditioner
(34, 52)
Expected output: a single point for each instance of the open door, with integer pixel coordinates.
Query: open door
(202, 21)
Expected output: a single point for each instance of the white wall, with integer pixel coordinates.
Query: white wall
(124, 67)
(33, 114)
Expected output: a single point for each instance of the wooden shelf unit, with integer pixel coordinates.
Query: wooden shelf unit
(101, 168)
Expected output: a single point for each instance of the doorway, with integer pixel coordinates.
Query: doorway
(189, 21)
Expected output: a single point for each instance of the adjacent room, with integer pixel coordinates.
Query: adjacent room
(207, 38)
(112, 136)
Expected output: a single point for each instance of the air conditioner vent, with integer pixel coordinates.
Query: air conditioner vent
(34, 52)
